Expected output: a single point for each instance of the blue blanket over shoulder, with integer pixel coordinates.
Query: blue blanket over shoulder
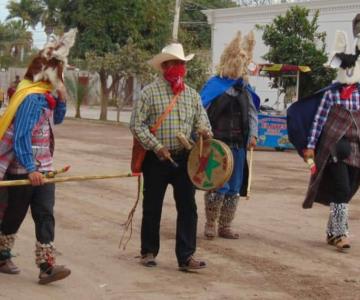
(216, 85)
(300, 117)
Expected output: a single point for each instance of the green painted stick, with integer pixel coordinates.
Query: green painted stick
(7, 183)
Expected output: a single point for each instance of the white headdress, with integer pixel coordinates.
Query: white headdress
(50, 62)
(59, 47)
(347, 64)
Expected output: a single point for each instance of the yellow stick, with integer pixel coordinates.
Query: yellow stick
(250, 173)
(6, 183)
(201, 146)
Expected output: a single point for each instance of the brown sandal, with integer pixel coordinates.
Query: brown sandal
(8, 267)
(192, 264)
(54, 273)
(228, 233)
(342, 243)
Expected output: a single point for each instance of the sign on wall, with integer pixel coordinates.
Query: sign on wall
(273, 132)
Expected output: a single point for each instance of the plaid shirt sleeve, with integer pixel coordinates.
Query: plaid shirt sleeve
(139, 124)
(201, 120)
(320, 119)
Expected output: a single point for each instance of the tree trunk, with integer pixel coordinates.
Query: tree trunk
(22, 53)
(104, 96)
(77, 113)
(129, 90)
(118, 113)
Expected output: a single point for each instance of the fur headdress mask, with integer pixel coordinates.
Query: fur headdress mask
(348, 64)
(236, 57)
(49, 64)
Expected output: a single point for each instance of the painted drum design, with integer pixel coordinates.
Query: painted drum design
(211, 169)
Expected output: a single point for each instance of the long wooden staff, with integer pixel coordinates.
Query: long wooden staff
(250, 173)
(6, 183)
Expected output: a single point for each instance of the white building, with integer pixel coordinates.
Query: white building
(334, 15)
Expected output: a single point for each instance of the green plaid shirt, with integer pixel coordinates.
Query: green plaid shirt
(187, 116)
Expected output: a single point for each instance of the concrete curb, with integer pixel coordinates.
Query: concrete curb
(108, 122)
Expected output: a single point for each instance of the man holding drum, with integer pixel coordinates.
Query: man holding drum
(166, 158)
(231, 106)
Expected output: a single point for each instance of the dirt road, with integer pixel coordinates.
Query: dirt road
(281, 253)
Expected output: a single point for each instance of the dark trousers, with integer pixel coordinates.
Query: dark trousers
(3, 202)
(157, 175)
(40, 199)
(344, 181)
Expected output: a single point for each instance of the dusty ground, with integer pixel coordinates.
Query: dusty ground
(281, 252)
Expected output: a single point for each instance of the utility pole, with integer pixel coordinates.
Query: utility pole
(176, 21)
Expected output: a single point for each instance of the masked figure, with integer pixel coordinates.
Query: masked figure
(232, 109)
(174, 107)
(331, 121)
(26, 152)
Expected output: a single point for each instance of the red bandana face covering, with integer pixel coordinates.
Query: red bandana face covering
(175, 76)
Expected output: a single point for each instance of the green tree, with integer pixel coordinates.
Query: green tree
(32, 12)
(20, 39)
(105, 27)
(294, 39)
(127, 61)
(76, 90)
(194, 29)
(28, 11)
(15, 44)
(50, 17)
(198, 70)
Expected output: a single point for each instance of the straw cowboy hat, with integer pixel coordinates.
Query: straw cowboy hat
(170, 52)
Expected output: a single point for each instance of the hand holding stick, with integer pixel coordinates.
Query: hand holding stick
(6, 183)
(310, 162)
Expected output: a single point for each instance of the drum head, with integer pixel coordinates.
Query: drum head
(213, 168)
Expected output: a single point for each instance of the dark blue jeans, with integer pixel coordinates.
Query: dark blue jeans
(157, 175)
(40, 199)
(233, 185)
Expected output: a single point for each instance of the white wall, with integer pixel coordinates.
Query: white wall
(334, 15)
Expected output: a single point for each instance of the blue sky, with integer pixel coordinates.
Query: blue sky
(38, 34)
